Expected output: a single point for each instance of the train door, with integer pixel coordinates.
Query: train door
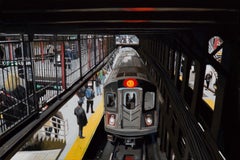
(131, 107)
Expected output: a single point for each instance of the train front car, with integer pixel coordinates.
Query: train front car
(129, 99)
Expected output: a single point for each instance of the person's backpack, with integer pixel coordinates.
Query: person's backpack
(93, 94)
(89, 93)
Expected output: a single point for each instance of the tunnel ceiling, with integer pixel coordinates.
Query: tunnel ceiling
(60, 16)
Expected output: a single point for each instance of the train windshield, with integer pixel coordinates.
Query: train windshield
(130, 100)
(149, 100)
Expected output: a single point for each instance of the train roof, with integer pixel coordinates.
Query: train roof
(127, 64)
(128, 57)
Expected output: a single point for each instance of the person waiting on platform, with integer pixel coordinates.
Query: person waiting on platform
(81, 118)
(102, 75)
(50, 51)
(90, 95)
(98, 85)
(208, 78)
(81, 93)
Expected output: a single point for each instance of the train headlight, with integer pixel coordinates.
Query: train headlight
(112, 120)
(148, 120)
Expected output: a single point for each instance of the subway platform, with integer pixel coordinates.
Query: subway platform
(74, 146)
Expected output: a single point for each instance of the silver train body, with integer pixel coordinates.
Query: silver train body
(130, 98)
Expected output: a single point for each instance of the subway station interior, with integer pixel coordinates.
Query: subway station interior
(51, 49)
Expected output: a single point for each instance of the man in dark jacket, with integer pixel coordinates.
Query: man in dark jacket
(81, 93)
(81, 117)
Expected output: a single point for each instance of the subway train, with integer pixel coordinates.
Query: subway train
(131, 108)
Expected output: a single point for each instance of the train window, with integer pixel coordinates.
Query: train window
(210, 86)
(213, 46)
(149, 100)
(191, 78)
(111, 100)
(130, 100)
(181, 67)
(175, 63)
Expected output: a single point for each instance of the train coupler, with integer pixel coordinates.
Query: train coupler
(130, 142)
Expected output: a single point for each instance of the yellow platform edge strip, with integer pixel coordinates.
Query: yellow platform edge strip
(210, 102)
(80, 146)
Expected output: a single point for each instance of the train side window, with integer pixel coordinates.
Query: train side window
(149, 100)
(111, 100)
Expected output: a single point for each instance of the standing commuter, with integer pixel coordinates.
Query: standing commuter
(81, 118)
(81, 93)
(51, 52)
(98, 85)
(90, 96)
(208, 78)
(100, 75)
(104, 75)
